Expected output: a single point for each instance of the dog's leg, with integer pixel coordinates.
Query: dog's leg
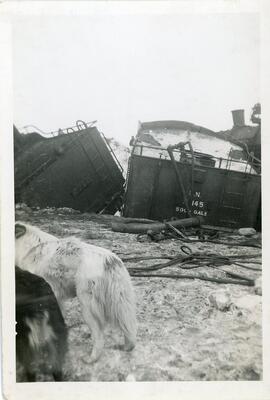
(97, 334)
(130, 342)
(95, 322)
(58, 376)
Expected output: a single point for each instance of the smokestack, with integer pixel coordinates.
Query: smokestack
(238, 117)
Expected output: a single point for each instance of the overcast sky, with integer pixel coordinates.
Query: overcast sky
(121, 69)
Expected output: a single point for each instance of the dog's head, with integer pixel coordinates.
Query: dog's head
(20, 230)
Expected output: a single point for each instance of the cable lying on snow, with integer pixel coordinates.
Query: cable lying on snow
(195, 260)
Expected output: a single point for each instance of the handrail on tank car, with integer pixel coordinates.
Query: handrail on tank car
(219, 159)
(70, 129)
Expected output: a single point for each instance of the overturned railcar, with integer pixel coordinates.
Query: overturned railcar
(77, 170)
(163, 183)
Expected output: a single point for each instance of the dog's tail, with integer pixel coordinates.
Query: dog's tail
(120, 299)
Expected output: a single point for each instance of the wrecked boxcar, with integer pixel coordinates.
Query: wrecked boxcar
(77, 169)
(204, 175)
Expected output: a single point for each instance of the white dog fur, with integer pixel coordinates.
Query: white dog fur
(96, 275)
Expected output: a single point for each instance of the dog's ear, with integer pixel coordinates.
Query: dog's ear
(19, 230)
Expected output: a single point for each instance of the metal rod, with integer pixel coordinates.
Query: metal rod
(186, 276)
(113, 153)
(179, 180)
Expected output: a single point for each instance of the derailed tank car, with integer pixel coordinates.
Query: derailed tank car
(180, 181)
(77, 170)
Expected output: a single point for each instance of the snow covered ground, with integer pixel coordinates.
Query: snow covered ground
(183, 334)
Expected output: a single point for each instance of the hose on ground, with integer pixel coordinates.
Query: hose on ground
(192, 261)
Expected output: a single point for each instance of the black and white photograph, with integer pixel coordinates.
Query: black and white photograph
(135, 199)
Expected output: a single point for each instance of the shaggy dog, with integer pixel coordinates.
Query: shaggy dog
(41, 333)
(96, 275)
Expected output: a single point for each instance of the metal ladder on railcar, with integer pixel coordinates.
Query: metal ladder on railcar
(232, 200)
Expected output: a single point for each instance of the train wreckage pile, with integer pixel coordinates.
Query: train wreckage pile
(79, 169)
(191, 192)
(196, 271)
